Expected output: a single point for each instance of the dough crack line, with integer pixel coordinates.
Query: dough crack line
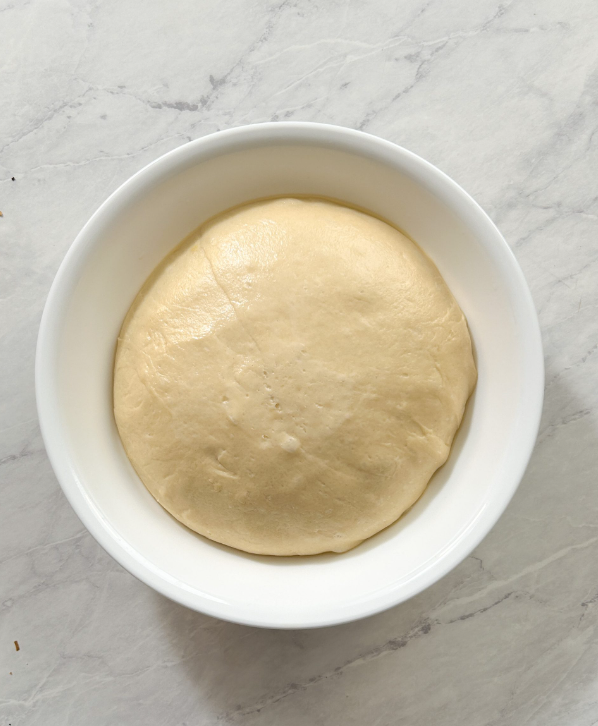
(232, 305)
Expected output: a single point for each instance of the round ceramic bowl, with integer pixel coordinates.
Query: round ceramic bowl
(129, 235)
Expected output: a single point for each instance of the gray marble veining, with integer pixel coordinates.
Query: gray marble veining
(503, 96)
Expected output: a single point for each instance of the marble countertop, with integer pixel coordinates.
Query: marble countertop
(500, 94)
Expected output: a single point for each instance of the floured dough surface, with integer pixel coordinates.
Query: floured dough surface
(289, 379)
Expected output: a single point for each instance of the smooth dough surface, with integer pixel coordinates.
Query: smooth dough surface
(289, 379)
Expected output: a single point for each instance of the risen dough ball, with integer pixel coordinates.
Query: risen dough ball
(288, 380)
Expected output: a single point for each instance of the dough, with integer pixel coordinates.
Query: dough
(289, 378)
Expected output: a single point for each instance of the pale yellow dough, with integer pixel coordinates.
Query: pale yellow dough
(288, 380)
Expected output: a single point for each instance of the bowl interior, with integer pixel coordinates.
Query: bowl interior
(129, 236)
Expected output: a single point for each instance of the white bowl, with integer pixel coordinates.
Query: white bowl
(123, 242)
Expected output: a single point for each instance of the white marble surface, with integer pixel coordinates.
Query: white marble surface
(503, 96)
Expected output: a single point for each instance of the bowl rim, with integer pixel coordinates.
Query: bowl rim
(199, 150)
